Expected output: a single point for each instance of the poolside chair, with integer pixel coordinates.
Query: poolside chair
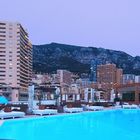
(126, 106)
(94, 108)
(13, 114)
(45, 112)
(134, 106)
(72, 109)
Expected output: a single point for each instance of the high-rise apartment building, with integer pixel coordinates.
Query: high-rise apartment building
(64, 77)
(15, 56)
(109, 73)
(93, 70)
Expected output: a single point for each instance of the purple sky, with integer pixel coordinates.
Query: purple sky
(113, 24)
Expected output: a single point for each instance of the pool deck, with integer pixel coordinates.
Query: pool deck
(58, 114)
(38, 116)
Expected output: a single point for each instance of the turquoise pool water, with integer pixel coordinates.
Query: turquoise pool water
(104, 125)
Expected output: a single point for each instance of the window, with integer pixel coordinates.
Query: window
(2, 59)
(2, 75)
(2, 67)
(2, 79)
(2, 47)
(2, 39)
(2, 23)
(2, 71)
(2, 43)
(128, 96)
(2, 27)
(2, 63)
(2, 32)
(2, 35)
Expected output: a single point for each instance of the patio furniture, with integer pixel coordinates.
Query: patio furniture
(133, 106)
(126, 106)
(45, 112)
(72, 109)
(13, 114)
(94, 108)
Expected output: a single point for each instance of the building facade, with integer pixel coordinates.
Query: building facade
(109, 73)
(15, 58)
(128, 78)
(93, 70)
(137, 79)
(65, 77)
(129, 92)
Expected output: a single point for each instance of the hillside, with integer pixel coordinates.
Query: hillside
(50, 57)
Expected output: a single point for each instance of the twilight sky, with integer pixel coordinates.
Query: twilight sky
(113, 24)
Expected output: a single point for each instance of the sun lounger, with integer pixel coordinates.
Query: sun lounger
(45, 112)
(94, 108)
(73, 109)
(13, 114)
(133, 106)
(118, 106)
(126, 106)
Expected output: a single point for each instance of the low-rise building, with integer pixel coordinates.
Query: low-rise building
(64, 77)
(129, 92)
(128, 78)
(137, 79)
(109, 73)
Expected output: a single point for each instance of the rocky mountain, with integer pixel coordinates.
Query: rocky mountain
(50, 57)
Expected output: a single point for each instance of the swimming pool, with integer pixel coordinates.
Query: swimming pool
(103, 125)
